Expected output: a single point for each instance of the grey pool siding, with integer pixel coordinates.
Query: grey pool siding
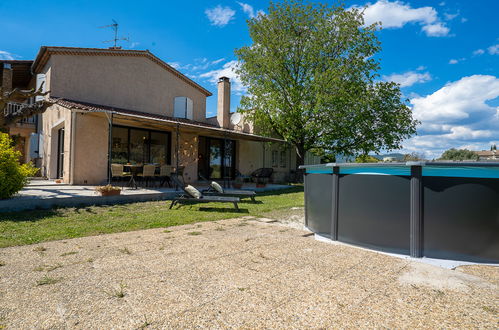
(437, 210)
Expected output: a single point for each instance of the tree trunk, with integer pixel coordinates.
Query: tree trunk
(300, 155)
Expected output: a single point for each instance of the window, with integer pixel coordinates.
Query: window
(182, 107)
(41, 79)
(140, 146)
(274, 158)
(282, 161)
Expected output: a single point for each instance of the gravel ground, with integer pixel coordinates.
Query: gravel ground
(238, 273)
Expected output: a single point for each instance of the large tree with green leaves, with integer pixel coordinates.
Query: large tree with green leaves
(459, 154)
(312, 81)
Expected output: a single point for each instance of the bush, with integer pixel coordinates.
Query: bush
(13, 176)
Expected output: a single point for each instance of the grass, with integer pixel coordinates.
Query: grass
(125, 250)
(118, 292)
(46, 280)
(194, 233)
(30, 227)
(47, 268)
(69, 253)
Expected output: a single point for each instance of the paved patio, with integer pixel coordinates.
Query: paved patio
(44, 194)
(238, 273)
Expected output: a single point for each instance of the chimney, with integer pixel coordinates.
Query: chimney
(223, 105)
(7, 77)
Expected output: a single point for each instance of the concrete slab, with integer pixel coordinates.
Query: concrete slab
(46, 194)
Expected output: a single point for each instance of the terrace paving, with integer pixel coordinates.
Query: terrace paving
(238, 273)
(45, 194)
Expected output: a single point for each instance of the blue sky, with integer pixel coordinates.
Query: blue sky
(445, 54)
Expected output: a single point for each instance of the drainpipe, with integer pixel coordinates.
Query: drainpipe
(177, 136)
(72, 152)
(110, 146)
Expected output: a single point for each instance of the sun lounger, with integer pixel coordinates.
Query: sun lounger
(216, 190)
(193, 197)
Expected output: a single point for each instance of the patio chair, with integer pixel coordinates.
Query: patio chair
(193, 196)
(118, 175)
(164, 175)
(216, 190)
(148, 173)
(262, 175)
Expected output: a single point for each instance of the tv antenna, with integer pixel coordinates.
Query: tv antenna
(115, 27)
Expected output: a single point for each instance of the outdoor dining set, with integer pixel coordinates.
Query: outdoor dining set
(148, 175)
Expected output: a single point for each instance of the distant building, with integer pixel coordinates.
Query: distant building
(487, 154)
(389, 159)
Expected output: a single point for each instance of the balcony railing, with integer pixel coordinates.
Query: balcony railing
(14, 108)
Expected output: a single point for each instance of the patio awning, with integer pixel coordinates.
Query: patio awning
(185, 124)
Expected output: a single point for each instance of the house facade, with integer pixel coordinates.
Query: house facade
(130, 107)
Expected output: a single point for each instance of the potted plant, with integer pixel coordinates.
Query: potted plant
(260, 183)
(108, 190)
(238, 182)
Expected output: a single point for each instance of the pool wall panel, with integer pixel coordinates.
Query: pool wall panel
(461, 218)
(435, 210)
(318, 202)
(374, 211)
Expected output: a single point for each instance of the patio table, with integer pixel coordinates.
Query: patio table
(134, 170)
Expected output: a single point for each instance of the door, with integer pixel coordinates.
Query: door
(60, 153)
(221, 160)
(215, 149)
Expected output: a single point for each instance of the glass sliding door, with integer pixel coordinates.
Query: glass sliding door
(60, 153)
(140, 146)
(216, 158)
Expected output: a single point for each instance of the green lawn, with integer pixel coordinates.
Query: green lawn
(28, 227)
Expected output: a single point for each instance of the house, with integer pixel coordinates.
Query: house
(16, 74)
(130, 107)
(487, 155)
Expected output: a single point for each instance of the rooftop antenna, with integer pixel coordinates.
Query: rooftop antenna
(114, 26)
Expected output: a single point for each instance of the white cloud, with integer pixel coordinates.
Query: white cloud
(396, 14)
(227, 70)
(4, 55)
(249, 10)
(478, 52)
(450, 17)
(456, 60)
(457, 116)
(493, 50)
(409, 78)
(436, 30)
(220, 16)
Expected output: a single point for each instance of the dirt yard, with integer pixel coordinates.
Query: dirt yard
(238, 273)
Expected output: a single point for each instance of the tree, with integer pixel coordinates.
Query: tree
(414, 156)
(311, 80)
(13, 175)
(459, 154)
(366, 159)
(28, 110)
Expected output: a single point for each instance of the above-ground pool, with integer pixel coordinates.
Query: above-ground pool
(431, 209)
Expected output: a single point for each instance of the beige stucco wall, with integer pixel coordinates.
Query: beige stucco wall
(54, 118)
(90, 149)
(134, 83)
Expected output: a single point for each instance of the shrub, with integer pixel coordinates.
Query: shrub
(13, 175)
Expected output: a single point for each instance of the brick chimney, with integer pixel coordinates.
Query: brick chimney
(7, 77)
(223, 105)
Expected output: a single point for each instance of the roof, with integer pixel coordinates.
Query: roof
(21, 73)
(172, 121)
(47, 51)
(487, 153)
